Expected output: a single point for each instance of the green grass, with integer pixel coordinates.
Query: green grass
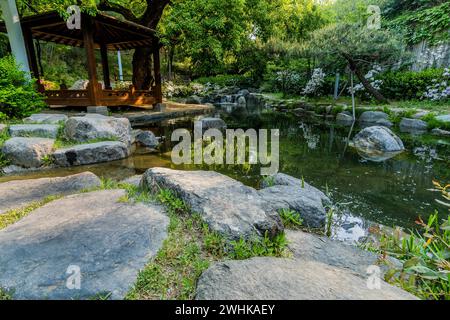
(4, 135)
(189, 250)
(15, 215)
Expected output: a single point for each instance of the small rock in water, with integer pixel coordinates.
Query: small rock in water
(213, 123)
(444, 118)
(440, 132)
(413, 125)
(344, 119)
(91, 153)
(146, 138)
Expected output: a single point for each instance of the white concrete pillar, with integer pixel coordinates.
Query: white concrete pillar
(15, 35)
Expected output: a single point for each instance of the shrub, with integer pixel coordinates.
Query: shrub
(18, 97)
(407, 85)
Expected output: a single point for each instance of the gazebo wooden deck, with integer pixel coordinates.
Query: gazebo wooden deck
(100, 32)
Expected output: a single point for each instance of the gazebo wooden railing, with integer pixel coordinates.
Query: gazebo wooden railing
(100, 32)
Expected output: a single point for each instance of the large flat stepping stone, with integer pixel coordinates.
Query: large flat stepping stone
(107, 240)
(34, 130)
(27, 152)
(288, 279)
(91, 153)
(310, 246)
(49, 118)
(226, 205)
(20, 193)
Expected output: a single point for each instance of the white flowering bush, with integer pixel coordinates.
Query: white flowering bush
(315, 83)
(370, 76)
(439, 90)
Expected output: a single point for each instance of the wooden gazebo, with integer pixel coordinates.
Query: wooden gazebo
(100, 32)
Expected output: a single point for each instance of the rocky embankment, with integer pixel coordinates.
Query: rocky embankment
(52, 140)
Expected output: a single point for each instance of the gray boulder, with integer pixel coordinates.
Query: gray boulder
(146, 138)
(213, 123)
(91, 153)
(95, 235)
(286, 279)
(27, 152)
(413, 125)
(344, 119)
(444, 118)
(241, 101)
(305, 201)
(243, 92)
(440, 132)
(420, 114)
(377, 140)
(46, 118)
(3, 127)
(226, 205)
(334, 253)
(20, 193)
(97, 126)
(34, 130)
(194, 100)
(375, 118)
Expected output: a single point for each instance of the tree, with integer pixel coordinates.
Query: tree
(357, 47)
(144, 12)
(206, 31)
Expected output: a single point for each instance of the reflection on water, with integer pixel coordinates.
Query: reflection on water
(391, 192)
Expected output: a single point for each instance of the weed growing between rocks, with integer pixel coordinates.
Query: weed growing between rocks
(15, 215)
(291, 219)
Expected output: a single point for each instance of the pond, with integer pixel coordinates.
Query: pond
(392, 193)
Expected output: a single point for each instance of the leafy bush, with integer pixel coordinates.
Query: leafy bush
(226, 80)
(18, 97)
(425, 255)
(407, 85)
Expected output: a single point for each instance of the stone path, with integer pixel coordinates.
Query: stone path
(288, 279)
(20, 193)
(94, 235)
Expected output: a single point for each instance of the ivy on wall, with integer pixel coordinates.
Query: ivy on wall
(430, 24)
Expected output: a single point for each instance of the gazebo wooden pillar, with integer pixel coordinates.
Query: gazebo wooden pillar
(100, 32)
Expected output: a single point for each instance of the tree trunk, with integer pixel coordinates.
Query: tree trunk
(142, 69)
(374, 92)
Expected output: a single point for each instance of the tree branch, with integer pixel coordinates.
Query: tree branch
(105, 5)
